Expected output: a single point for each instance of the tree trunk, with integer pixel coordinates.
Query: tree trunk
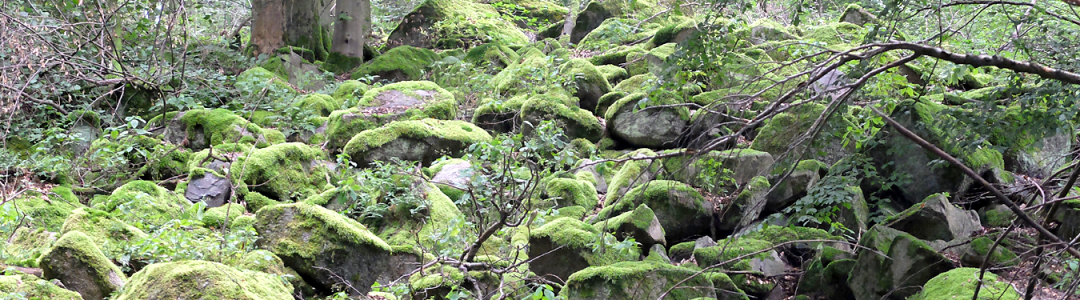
(351, 28)
(280, 23)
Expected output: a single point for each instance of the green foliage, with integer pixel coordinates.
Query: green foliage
(384, 191)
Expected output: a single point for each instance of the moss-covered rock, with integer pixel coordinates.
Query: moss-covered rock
(615, 55)
(228, 214)
(680, 209)
(640, 224)
(100, 226)
(32, 287)
(632, 173)
(349, 92)
(77, 262)
(323, 246)
(398, 64)
(615, 32)
(202, 128)
(194, 279)
(420, 140)
(318, 104)
(283, 171)
(46, 211)
(612, 73)
(936, 219)
(26, 245)
(575, 122)
(960, 284)
(776, 136)
(495, 54)
(533, 13)
(980, 250)
(647, 122)
(637, 280)
(589, 83)
(573, 239)
(899, 155)
(260, 81)
(571, 192)
(142, 203)
(908, 264)
(411, 100)
(746, 207)
(454, 24)
(717, 171)
(726, 251)
(597, 12)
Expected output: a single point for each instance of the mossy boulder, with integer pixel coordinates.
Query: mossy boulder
(641, 121)
(142, 203)
(717, 171)
(349, 92)
(410, 100)
(908, 264)
(229, 214)
(726, 251)
(640, 224)
(746, 207)
(571, 192)
(857, 15)
(32, 287)
(283, 171)
(572, 238)
(827, 279)
(596, 12)
(961, 283)
(614, 55)
(454, 24)
(637, 280)
(77, 262)
(202, 128)
(521, 77)
(195, 279)
(899, 155)
(575, 122)
(47, 211)
(615, 32)
(680, 209)
(101, 226)
(589, 83)
(935, 218)
(980, 250)
(398, 64)
(322, 246)
(765, 30)
(676, 32)
(259, 82)
(494, 54)
(538, 12)
(794, 186)
(778, 133)
(25, 246)
(420, 140)
(318, 104)
(637, 171)
(612, 73)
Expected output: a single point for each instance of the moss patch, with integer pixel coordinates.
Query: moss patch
(400, 63)
(173, 280)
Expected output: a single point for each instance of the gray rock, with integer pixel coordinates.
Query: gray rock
(637, 280)
(454, 174)
(210, 189)
(909, 263)
(936, 219)
(641, 224)
(790, 189)
(651, 127)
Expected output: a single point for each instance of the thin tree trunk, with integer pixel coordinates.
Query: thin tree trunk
(351, 28)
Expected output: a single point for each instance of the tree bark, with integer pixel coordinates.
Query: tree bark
(280, 23)
(351, 28)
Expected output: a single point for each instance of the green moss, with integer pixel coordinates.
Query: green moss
(338, 63)
(573, 212)
(960, 284)
(578, 236)
(25, 246)
(668, 33)
(435, 277)
(434, 102)
(76, 249)
(223, 126)
(318, 104)
(496, 54)
(262, 261)
(1001, 256)
(457, 132)
(544, 12)
(617, 31)
(729, 249)
(838, 35)
(257, 80)
(45, 211)
(640, 218)
(322, 227)
(32, 287)
(613, 74)
(349, 91)
(576, 122)
(143, 203)
(282, 171)
(684, 249)
(661, 194)
(457, 23)
(782, 234)
(101, 227)
(629, 175)
(572, 192)
(216, 217)
(625, 280)
(615, 55)
(401, 63)
(633, 101)
(173, 280)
